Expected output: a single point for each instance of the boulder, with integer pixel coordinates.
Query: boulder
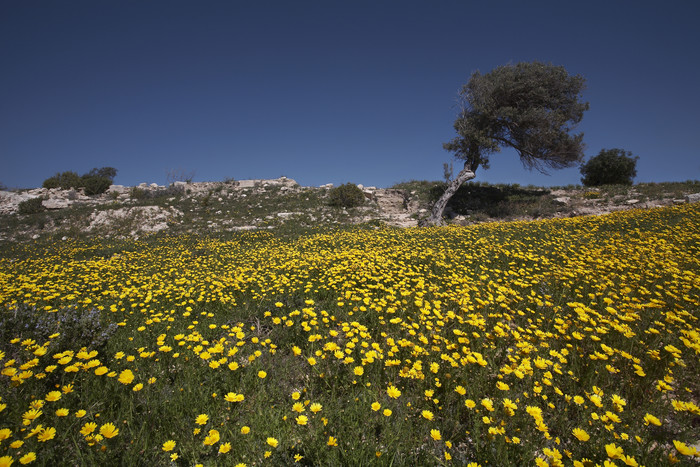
(692, 198)
(246, 183)
(55, 203)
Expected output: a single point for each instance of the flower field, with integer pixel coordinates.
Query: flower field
(558, 342)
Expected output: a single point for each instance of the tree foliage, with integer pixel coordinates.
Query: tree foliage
(531, 107)
(610, 167)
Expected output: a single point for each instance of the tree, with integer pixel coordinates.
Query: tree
(610, 167)
(530, 107)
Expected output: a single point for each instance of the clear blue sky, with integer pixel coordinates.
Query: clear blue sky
(327, 91)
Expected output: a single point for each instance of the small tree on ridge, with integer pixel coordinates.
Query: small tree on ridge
(530, 107)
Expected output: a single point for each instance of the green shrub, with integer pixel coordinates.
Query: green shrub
(95, 185)
(347, 195)
(63, 180)
(31, 206)
(610, 167)
(95, 182)
(138, 193)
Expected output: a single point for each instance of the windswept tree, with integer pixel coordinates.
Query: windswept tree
(530, 107)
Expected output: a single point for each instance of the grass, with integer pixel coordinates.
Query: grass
(569, 341)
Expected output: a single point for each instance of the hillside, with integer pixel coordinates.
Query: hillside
(216, 208)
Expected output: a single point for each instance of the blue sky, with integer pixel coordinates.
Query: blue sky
(327, 91)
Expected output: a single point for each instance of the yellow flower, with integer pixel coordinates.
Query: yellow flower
(126, 377)
(358, 370)
(80, 413)
(169, 445)
(233, 397)
(311, 360)
(108, 430)
(427, 414)
(31, 415)
(650, 419)
(27, 458)
(614, 452)
(88, 428)
(435, 434)
(332, 441)
(5, 433)
(47, 434)
(376, 406)
(316, 407)
(245, 430)
(393, 392)
(53, 396)
(272, 442)
(302, 420)
(470, 404)
(224, 448)
(202, 419)
(212, 438)
(580, 434)
(387, 412)
(6, 461)
(262, 374)
(137, 387)
(460, 390)
(502, 386)
(62, 412)
(685, 449)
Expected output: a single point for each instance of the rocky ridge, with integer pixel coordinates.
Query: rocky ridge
(266, 203)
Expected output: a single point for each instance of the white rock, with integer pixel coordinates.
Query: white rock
(693, 198)
(55, 203)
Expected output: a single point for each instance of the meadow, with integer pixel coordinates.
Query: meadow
(557, 342)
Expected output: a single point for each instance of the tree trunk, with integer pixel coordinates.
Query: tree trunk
(436, 215)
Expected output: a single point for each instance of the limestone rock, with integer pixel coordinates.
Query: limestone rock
(692, 198)
(55, 203)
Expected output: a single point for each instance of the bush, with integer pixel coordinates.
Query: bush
(63, 180)
(610, 167)
(95, 185)
(30, 206)
(138, 193)
(95, 182)
(347, 196)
